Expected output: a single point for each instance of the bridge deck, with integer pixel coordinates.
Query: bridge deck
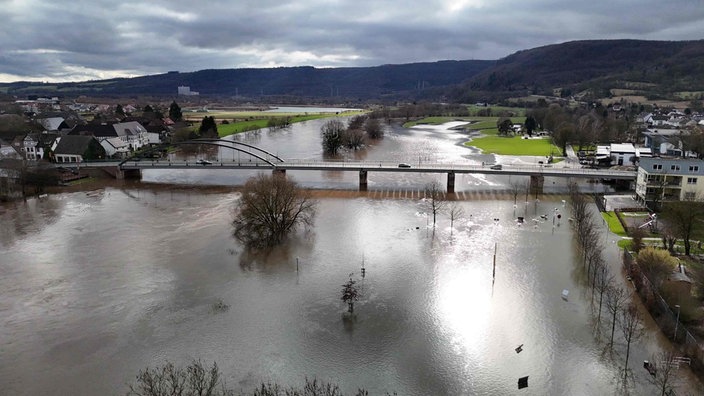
(386, 166)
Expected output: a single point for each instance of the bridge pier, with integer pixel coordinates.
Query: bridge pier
(127, 174)
(450, 182)
(362, 180)
(536, 184)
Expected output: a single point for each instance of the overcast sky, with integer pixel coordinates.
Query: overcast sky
(70, 40)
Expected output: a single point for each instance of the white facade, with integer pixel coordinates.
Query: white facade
(670, 179)
(115, 147)
(186, 91)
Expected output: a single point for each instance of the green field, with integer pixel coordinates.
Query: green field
(243, 121)
(515, 145)
(486, 125)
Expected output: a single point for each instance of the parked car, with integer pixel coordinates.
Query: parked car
(404, 165)
(496, 167)
(204, 162)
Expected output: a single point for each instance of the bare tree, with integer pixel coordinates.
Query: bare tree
(657, 264)
(456, 212)
(516, 187)
(357, 122)
(685, 217)
(435, 199)
(373, 128)
(663, 368)
(169, 380)
(668, 238)
(353, 138)
(616, 298)
(603, 282)
(632, 329)
(332, 135)
(637, 242)
(269, 209)
(526, 189)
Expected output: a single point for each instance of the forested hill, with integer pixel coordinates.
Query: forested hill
(406, 80)
(651, 68)
(656, 69)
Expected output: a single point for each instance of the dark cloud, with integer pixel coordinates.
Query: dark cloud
(53, 40)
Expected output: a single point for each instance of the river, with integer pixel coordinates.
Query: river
(97, 286)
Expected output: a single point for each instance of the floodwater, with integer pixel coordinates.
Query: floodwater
(96, 286)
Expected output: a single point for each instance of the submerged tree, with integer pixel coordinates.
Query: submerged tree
(456, 212)
(373, 128)
(616, 298)
(332, 136)
(270, 208)
(663, 369)
(435, 199)
(632, 330)
(350, 294)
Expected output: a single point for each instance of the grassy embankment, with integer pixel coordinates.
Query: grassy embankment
(243, 121)
(614, 224)
(489, 141)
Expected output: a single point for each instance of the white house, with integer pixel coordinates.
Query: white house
(115, 147)
(132, 133)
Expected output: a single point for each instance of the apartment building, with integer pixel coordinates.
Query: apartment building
(669, 179)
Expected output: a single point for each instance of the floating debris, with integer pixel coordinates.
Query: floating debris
(565, 293)
(219, 306)
(519, 349)
(523, 382)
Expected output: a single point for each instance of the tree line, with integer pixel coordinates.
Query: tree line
(616, 313)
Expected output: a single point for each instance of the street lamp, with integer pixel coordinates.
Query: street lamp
(677, 322)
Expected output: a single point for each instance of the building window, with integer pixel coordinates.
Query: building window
(657, 166)
(674, 167)
(691, 180)
(694, 168)
(690, 196)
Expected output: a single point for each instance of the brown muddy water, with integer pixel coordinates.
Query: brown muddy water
(95, 286)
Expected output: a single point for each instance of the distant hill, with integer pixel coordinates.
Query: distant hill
(658, 69)
(651, 68)
(353, 83)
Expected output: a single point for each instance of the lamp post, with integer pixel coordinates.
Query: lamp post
(677, 322)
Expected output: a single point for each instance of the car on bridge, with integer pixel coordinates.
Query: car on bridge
(404, 165)
(496, 167)
(204, 162)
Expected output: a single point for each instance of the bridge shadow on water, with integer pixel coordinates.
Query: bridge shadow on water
(419, 193)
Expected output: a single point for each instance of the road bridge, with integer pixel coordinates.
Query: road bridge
(134, 167)
(260, 159)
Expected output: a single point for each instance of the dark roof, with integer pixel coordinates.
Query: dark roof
(97, 130)
(47, 139)
(71, 144)
(156, 128)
